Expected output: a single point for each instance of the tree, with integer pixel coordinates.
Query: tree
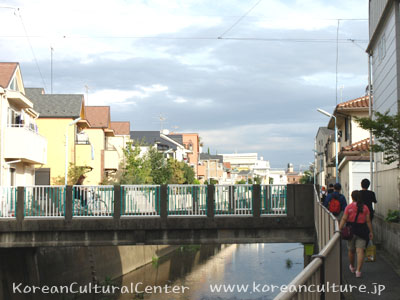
(386, 130)
(307, 177)
(137, 167)
(74, 172)
(188, 173)
(177, 174)
(160, 171)
(257, 180)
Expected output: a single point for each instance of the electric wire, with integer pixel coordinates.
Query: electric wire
(238, 21)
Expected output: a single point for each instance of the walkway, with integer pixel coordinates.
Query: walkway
(380, 272)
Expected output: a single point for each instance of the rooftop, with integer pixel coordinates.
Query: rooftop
(7, 70)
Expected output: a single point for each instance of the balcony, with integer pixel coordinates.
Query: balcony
(24, 143)
(111, 160)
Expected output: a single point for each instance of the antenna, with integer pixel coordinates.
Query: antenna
(162, 119)
(51, 69)
(87, 94)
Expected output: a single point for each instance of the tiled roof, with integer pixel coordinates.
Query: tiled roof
(361, 146)
(98, 116)
(6, 72)
(362, 102)
(55, 105)
(121, 128)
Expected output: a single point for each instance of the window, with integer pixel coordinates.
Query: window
(346, 129)
(382, 48)
(13, 84)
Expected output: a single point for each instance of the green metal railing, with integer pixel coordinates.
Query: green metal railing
(140, 200)
(93, 201)
(273, 200)
(187, 200)
(44, 201)
(8, 201)
(233, 199)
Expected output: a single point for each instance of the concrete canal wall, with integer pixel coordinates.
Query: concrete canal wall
(61, 266)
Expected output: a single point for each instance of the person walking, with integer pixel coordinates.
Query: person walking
(330, 188)
(367, 196)
(338, 196)
(358, 215)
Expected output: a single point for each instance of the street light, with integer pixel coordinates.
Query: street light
(336, 141)
(66, 147)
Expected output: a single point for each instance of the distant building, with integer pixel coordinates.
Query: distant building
(211, 167)
(247, 165)
(324, 169)
(292, 176)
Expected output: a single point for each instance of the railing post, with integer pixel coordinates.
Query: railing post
(164, 201)
(117, 202)
(19, 213)
(256, 200)
(290, 200)
(68, 203)
(210, 200)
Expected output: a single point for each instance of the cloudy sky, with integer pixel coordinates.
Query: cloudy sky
(247, 75)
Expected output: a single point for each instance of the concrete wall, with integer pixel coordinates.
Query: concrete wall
(388, 235)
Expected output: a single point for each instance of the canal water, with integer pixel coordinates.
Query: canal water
(245, 271)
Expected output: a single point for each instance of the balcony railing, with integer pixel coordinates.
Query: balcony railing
(23, 142)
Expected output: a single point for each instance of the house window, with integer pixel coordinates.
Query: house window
(382, 48)
(346, 129)
(13, 84)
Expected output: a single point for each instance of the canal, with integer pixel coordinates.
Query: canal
(245, 271)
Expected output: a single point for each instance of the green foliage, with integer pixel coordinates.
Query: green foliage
(257, 180)
(307, 177)
(160, 171)
(74, 172)
(271, 180)
(386, 130)
(188, 173)
(241, 181)
(137, 167)
(393, 216)
(196, 181)
(250, 181)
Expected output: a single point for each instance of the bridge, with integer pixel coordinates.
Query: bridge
(41, 216)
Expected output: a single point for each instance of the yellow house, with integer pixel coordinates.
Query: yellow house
(98, 133)
(21, 145)
(58, 122)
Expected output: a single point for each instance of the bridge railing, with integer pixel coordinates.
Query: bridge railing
(144, 200)
(8, 201)
(325, 268)
(234, 199)
(44, 201)
(273, 199)
(187, 200)
(140, 200)
(93, 201)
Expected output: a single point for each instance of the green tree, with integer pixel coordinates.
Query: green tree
(386, 130)
(307, 177)
(177, 174)
(160, 171)
(74, 172)
(188, 173)
(137, 167)
(257, 180)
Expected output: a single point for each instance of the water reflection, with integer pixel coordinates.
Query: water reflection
(236, 266)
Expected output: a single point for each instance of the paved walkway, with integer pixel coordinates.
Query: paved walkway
(375, 275)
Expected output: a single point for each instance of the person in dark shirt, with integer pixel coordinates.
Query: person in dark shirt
(367, 196)
(330, 188)
(342, 199)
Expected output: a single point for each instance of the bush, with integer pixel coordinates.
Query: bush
(393, 216)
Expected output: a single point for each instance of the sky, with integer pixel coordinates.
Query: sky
(247, 75)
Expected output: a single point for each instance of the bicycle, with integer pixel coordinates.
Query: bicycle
(88, 203)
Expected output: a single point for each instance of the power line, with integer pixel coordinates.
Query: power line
(30, 45)
(240, 19)
(296, 40)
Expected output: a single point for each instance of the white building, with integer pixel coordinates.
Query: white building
(21, 147)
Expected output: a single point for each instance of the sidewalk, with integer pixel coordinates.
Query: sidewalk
(381, 272)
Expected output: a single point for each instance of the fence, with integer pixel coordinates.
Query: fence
(44, 201)
(325, 267)
(93, 201)
(8, 201)
(140, 200)
(146, 200)
(234, 199)
(187, 200)
(273, 199)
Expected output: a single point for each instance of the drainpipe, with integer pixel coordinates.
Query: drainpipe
(371, 157)
(2, 96)
(66, 148)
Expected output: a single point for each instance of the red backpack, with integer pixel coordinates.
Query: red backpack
(334, 206)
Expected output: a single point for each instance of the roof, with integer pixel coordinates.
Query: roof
(55, 105)
(360, 146)
(98, 116)
(121, 128)
(206, 156)
(151, 138)
(7, 70)
(361, 102)
(176, 137)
